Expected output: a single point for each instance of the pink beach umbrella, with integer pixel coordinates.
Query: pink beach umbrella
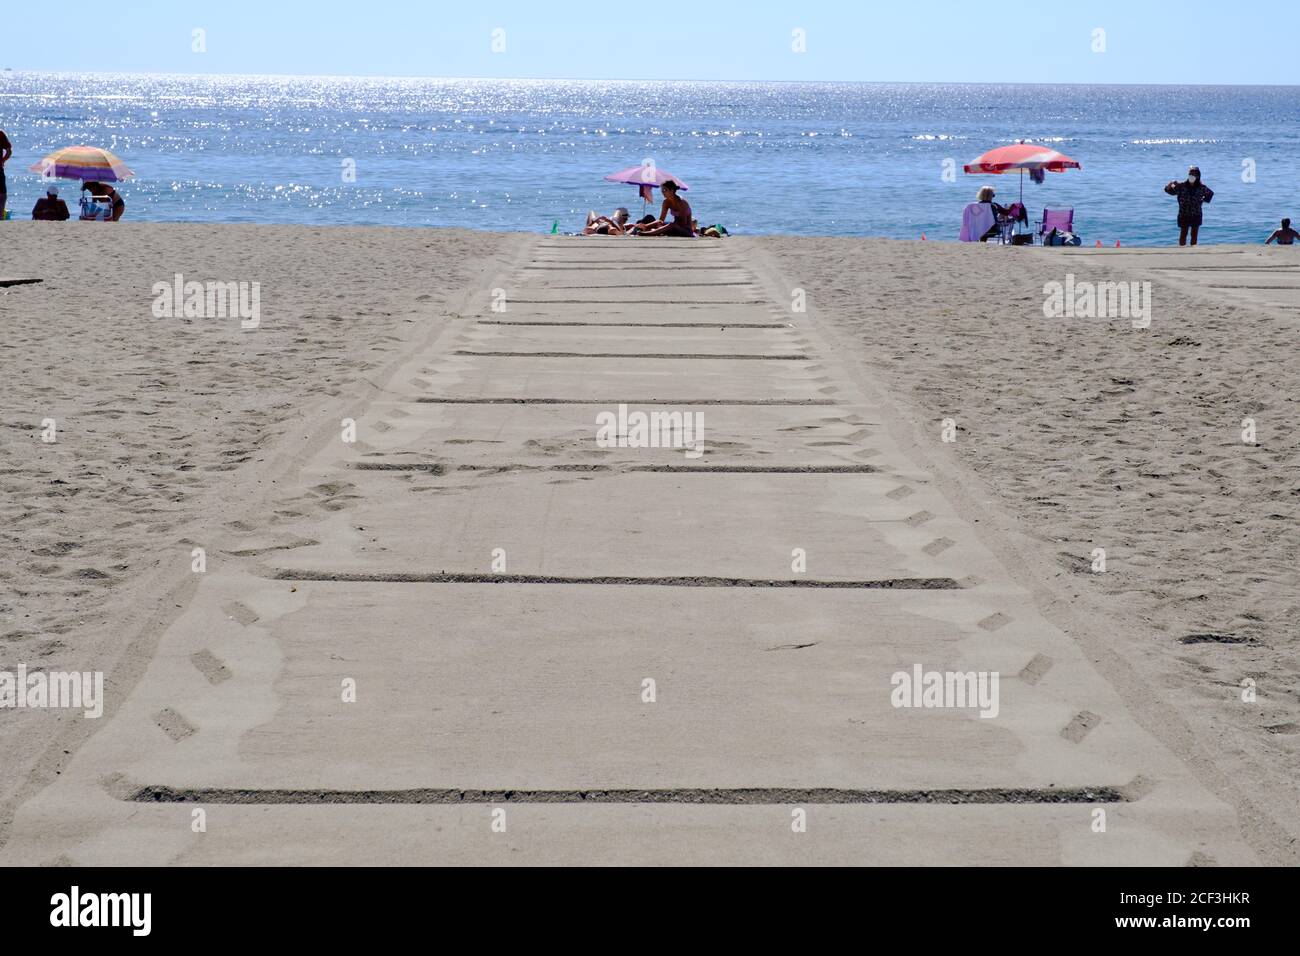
(1021, 157)
(647, 176)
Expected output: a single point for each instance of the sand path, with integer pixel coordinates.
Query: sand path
(497, 591)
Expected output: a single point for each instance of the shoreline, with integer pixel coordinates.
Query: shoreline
(1071, 250)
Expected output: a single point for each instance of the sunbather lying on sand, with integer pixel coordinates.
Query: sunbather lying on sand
(681, 210)
(606, 226)
(714, 231)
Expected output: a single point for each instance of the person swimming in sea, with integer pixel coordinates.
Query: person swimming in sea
(681, 210)
(1285, 236)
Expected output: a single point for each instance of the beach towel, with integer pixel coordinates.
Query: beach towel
(976, 220)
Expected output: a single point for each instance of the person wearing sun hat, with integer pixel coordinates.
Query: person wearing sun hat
(50, 208)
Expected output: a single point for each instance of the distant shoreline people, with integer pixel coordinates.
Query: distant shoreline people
(980, 219)
(1285, 236)
(681, 210)
(6, 150)
(681, 224)
(1191, 194)
(50, 208)
(635, 228)
(614, 225)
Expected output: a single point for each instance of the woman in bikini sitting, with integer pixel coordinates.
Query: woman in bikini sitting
(681, 210)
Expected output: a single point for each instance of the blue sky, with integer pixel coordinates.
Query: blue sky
(1146, 41)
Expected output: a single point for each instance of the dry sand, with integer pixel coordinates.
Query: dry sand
(164, 424)
(1098, 435)
(1087, 433)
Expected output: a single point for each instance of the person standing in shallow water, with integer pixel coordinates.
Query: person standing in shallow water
(1192, 194)
(6, 150)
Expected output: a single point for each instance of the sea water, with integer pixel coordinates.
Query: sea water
(855, 159)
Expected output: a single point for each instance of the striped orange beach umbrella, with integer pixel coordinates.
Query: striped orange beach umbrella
(87, 163)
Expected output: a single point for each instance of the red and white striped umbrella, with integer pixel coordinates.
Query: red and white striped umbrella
(1021, 156)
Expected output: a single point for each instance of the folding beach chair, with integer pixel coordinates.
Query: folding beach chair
(1062, 220)
(95, 208)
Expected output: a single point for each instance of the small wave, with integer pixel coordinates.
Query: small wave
(1173, 142)
(1036, 140)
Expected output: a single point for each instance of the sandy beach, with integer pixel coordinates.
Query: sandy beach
(1093, 434)
(1070, 435)
(169, 426)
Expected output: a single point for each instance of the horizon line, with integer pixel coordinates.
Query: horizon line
(599, 79)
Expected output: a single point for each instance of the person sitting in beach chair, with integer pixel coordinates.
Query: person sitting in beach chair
(50, 208)
(614, 225)
(681, 221)
(1285, 236)
(976, 221)
(983, 219)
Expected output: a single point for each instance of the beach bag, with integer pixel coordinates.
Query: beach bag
(95, 209)
(1058, 238)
